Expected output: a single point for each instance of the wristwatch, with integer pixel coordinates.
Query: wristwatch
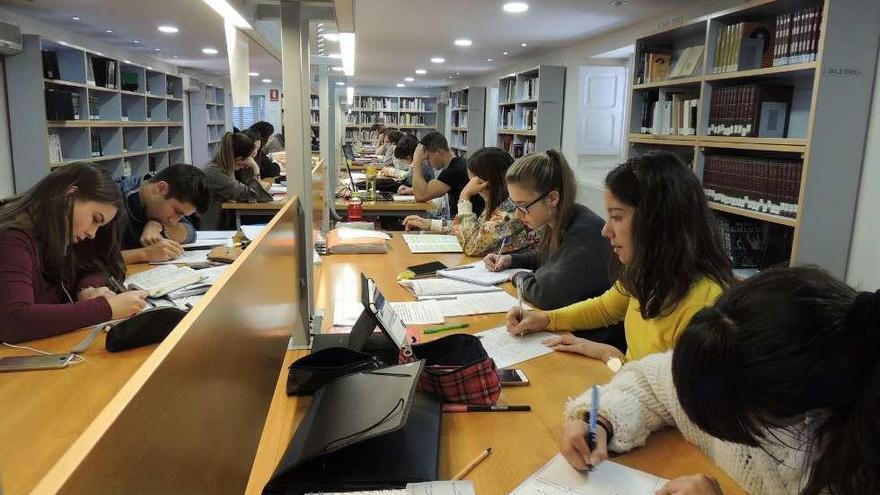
(614, 364)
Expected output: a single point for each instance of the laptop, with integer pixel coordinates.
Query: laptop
(388, 186)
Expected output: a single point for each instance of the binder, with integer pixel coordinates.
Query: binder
(366, 431)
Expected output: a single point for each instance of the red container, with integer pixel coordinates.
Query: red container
(355, 210)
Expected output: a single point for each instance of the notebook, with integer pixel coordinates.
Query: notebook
(164, 279)
(475, 304)
(431, 488)
(507, 349)
(444, 287)
(418, 312)
(432, 243)
(192, 256)
(478, 274)
(558, 478)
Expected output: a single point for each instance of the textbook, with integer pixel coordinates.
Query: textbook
(164, 279)
(478, 274)
(444, 287)
(432, 243)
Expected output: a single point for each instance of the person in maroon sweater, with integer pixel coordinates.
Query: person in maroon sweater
(59, 241)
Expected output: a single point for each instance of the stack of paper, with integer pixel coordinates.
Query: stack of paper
(162, 280)
(444, 287)
(478, 274)
(404, 198)
(558, 478)
(432, 243)
(418, 312)
(507, 349)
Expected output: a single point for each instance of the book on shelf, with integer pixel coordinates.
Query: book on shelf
(94, 107)
(687, 63)
(55, 155)
(750, 110)
(90, 71)
(507, 116)
(797, 36)
(676, 116)
(97, 147)
(507, 91)
(743, 46)
(765, 185)
(313, 102)
(50, 65)
(530, 89)
(655, 66)
(529, 119)
(62, 104)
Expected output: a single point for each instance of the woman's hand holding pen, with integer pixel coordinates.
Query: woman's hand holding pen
(127, 303)
(573, 445)
(497, 262)
(520, 322)
(93, 292)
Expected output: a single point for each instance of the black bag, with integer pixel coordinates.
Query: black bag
(309, 373)
(145, 328)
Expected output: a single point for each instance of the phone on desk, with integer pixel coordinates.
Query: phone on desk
(513, 378)
(40, 362)
(426, 269)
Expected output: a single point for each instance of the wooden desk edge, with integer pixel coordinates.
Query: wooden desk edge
(55, 478)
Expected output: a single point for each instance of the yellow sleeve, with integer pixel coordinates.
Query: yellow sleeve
(596, 312)
(702, 295)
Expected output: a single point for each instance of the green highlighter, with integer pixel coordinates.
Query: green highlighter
(443, 328)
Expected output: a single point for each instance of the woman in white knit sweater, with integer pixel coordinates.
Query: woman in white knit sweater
(779, 383)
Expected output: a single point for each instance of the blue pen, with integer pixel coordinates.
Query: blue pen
(594, 412)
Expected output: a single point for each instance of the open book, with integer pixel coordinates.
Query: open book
(444, 287)
(432, 243)
(478, 274)
(164, 279)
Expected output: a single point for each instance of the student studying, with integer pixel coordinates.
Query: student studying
(156, 208)
(264, 131)
(668, 263)
(59, 243)
(778, 383)
(497, 228)
(232, 176)
(451, 177)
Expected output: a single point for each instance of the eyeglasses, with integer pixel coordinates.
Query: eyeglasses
(524, 209)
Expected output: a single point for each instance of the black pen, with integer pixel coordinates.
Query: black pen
(115, 286)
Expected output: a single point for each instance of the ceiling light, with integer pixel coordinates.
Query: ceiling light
(618, 3)
(209, 51)
(401, 85)
(330, 36)
(320, 24)
(450, 77)
(488, 60)
(335, 55)
(156, 50)
(463, 42)
(109, 31)
(168, 29)
(254, 74)
(516, 7)
(340, 83)
(421, 72)
(504, 53)
(337, 68)
(127, 61)
(75, 18)
(437, 60)
(149, 67)
(346, 46)
(523, 44)
(228, 13)
(267, 81)
(176, 56)
(409, 79)
(349, 95)
(135, 41)
(458, 73)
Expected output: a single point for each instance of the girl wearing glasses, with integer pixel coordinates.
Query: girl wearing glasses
(571, 261)
(668, 263)
(496, 228)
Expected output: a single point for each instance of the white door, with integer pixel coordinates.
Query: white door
(601, 103)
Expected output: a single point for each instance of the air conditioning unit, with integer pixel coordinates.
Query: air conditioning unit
(10, 39)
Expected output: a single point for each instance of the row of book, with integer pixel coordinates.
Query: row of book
(517, 148)
(656, 65)
(743, 46)
(459, 140)
(766, 185)
(313, 102)
(315, 117)
(413, 119)
(754, 244)
(360, 135)
(530, 89)
(55, 155)
(507, 91)
(797, 36)
(750, 110)
(529, 119)
(62, 104)
(506, 116)
(101, 72)
(458, 99)
(377, 103)
(676, 116)
(413, 104)
(459, 119)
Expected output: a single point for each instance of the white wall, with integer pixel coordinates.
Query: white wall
(864, 256)
(273, 108)
(7, 184)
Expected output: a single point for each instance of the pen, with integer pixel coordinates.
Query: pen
(594, 411)
(443, 328)
(519, 297)
(503, 242)
(457, 408)
(115, 286)
(467, 469)
(462, 267)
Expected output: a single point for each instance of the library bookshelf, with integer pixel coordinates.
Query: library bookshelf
(467, 113)
(409, 114)
(523, 97)
(792, 182)
(87, 107)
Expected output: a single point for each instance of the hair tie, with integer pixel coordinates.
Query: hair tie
(863, 317)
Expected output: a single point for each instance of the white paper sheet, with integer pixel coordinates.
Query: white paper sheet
(478, 274)
(506, 349)
(432, 243)
(418, 312)
(252, 231)
(197, 256)
(214, 234)
(609, 478)
(475, 304)
(361, 234)
(206, 242)
(430, 488)
(404, 198)
(444, 287)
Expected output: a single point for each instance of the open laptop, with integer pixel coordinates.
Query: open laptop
(387, 187)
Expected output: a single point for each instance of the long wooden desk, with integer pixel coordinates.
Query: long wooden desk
(521, 442)
(371, 208)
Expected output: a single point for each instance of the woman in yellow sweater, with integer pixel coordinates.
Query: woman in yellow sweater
(668, 263)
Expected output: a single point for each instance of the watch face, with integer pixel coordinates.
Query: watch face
(614, 364)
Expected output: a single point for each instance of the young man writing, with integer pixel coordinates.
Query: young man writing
(452, 173)
(156, 208)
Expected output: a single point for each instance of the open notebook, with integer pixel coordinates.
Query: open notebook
(478, 274)
(432, 243)
(558, 478)
(164, 279)
(444, 287)
(431, 488)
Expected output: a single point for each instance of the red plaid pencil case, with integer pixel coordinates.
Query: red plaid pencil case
(457, 369)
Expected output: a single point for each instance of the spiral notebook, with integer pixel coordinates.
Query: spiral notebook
(476, 273)
(444, 287)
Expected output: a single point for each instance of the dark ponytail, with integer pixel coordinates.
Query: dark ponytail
(234, 146)
(785, 343)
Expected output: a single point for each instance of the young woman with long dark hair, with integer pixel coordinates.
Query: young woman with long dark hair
(231, 176)
(778, 382)
(59, 241)
(480, 234)
(668, 263)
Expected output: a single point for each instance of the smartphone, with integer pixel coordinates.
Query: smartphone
(426, 269)
(513, 378)
(39, 362)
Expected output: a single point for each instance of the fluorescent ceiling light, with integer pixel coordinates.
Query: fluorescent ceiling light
(349, 95)
(109, 31)
(267, 80)
(504, 53)
(228, 13)
(135, 41)
(76, 18)
(335, 55)
(254, 74)
(346, 45)
(156, 50)
(463, 42)
(209, 51)
(168, 29)
(337, 69)
(524, 44)
(488, 60)
(437, 60)
(409, 79)
(127, 61)
(516, 7)
(401, 85)
(331, 36)
(421, 72)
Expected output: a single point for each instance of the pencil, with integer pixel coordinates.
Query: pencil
(467, 469)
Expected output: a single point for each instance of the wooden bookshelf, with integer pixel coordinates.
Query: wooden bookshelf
(467, 120)
(530, 107)
(416, 114)
(826, 113)
(106, 111)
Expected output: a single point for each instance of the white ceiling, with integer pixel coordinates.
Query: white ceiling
(200, 27)
(394, 37)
